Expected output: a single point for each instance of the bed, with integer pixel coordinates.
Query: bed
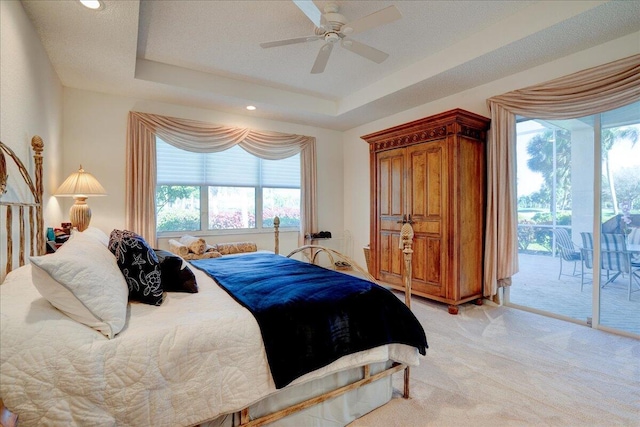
(193, 359)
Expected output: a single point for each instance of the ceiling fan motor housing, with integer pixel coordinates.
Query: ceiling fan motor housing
(334, 21)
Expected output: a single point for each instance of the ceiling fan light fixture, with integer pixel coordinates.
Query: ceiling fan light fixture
(92, 4)
(346, 30)
(331, 37)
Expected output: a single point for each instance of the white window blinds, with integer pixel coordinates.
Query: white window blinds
(233, 167)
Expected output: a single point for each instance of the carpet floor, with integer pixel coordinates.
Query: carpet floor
(498, 366)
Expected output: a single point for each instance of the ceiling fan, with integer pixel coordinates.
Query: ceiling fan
(332, 27)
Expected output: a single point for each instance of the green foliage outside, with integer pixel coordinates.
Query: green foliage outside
(178, 210)
(178, 220)
(611, 137)
(535, 233)
(289, 217)
(540, 150)
(627, 188)
(230, 221)
(618, 188)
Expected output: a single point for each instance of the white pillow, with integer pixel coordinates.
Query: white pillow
(82, 280)
(98, 234)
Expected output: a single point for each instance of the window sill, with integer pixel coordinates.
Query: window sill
(211, 233)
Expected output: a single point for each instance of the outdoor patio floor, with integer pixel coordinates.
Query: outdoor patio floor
(537, 286)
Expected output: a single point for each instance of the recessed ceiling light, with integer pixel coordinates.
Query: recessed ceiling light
(251, 107)
(92, 4)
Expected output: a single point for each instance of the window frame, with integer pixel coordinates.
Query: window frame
(204, 210)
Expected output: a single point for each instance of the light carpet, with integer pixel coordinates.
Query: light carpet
(498, 366)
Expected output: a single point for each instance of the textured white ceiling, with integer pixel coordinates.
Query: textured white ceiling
(207, 53)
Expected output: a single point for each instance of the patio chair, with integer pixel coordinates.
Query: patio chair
(634, 239)
(587, 254)
(617, 259)
(568, 250)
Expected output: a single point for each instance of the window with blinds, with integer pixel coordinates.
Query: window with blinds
(231, 189)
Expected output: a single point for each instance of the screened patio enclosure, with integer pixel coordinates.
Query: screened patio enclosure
(580, 175)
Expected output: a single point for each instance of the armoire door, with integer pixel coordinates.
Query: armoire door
(391, 208)
(412, 185)
(427, 207)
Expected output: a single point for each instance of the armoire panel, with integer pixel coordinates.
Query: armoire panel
(434, 190)
(397, 182)
(390, 259)
(386, 189)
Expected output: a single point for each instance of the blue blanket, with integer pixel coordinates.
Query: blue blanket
(310, 316)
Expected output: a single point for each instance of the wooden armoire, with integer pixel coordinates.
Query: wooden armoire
(431, 172)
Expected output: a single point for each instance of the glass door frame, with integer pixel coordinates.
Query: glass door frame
(594, 320)
(597, 222)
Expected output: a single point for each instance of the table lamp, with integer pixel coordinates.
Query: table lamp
(80, 185)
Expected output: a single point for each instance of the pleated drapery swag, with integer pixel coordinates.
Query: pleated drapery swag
(201, 137)
(584, 93)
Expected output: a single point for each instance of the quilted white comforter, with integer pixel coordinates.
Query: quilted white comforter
(195, 357)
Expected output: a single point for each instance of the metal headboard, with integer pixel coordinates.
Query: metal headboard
(33, 209)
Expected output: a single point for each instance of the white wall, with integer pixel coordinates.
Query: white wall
(94, 131)
(30, 94)
(356, 150)
(30, 104)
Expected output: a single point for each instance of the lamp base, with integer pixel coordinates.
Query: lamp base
(80, 214)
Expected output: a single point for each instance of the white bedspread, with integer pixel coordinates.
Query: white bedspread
(195, 357)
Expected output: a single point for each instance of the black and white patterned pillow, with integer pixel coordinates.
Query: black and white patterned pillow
(176, 274)
(139, 265)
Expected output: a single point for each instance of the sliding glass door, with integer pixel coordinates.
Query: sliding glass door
(578, 186)
(620, 219)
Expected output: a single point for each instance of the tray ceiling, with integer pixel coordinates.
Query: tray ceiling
(207, 53)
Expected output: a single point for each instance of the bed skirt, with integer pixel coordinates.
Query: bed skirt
(337, 412)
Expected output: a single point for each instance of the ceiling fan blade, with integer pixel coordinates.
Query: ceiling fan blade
(381, 17)
(364, 50)
(290, 41)
(311, 10)
(322, 58)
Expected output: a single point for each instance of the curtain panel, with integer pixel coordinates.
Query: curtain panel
(584, 93)
(201, 137)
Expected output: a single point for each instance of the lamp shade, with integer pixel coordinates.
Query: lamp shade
(81, 184)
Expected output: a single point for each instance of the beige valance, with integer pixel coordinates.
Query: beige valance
(192, 135)
(591, 91)
(581, 94)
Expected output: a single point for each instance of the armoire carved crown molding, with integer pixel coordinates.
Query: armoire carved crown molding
(466, 124)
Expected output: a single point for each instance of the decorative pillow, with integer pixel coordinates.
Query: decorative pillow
(139, 265)
(96, 233)
(196, 245)
(206, 255)
(83, 281)
(176, 275)
(236, 247)
(178, 248)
